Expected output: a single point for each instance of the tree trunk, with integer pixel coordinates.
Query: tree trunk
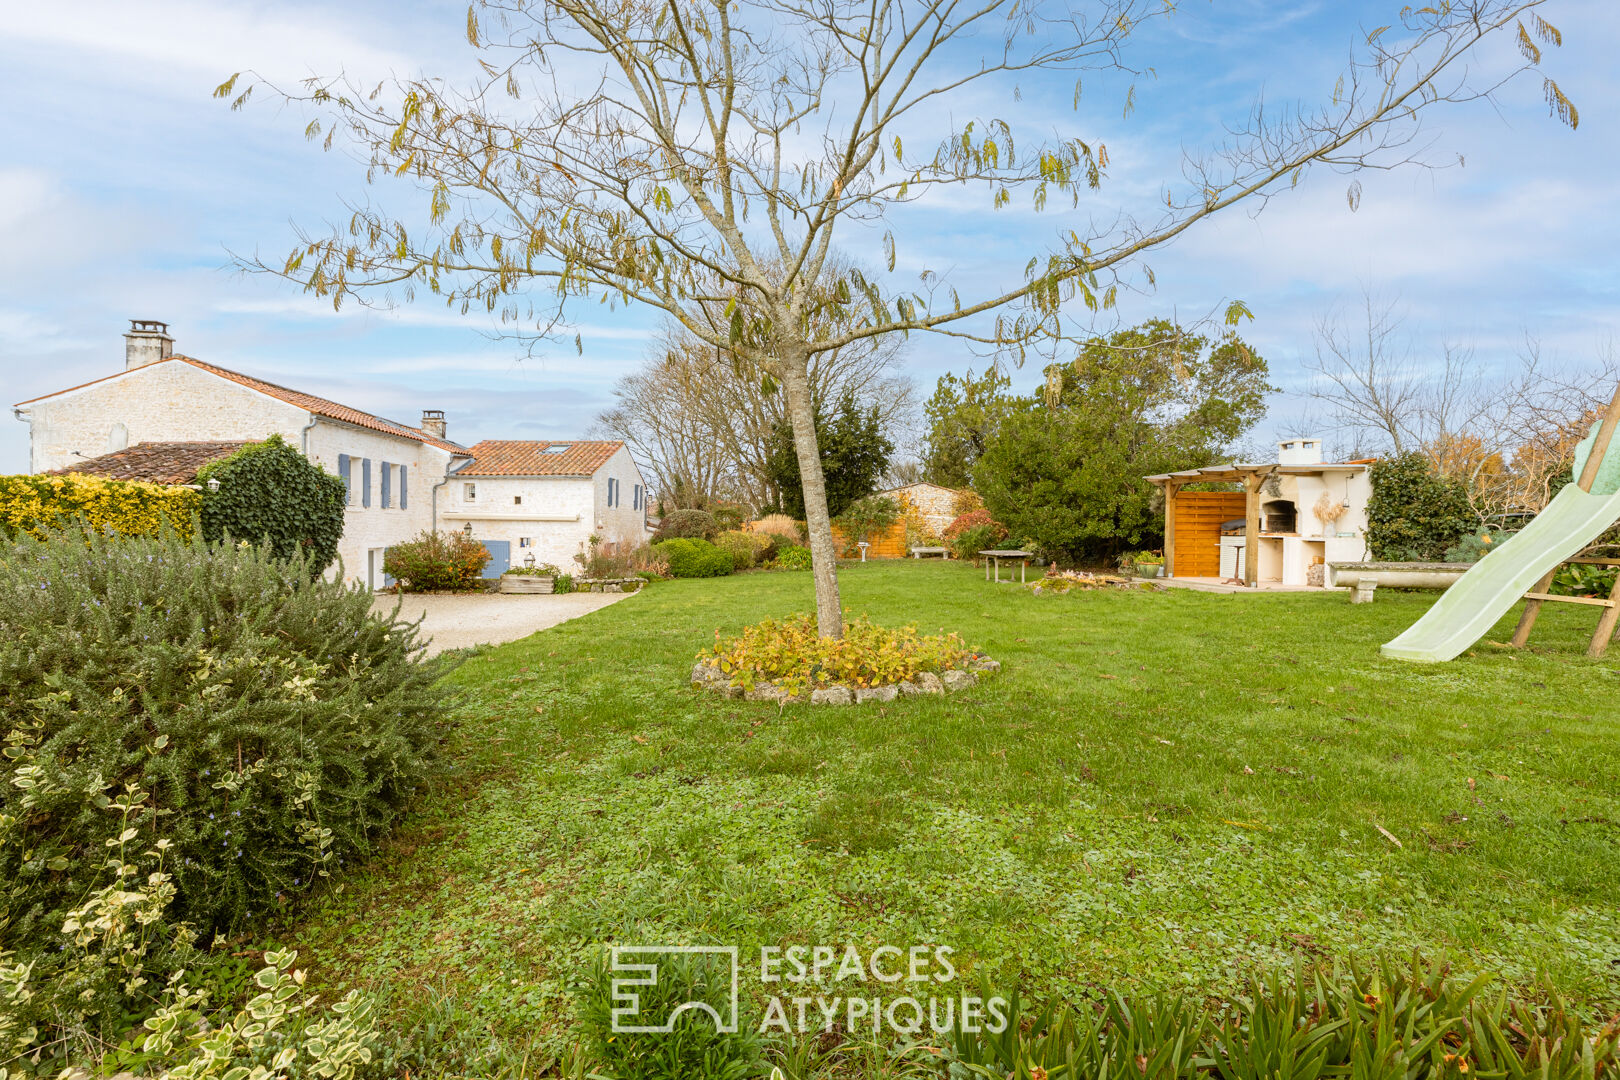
(823, 555)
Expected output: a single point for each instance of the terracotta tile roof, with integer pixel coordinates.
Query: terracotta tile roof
(154, 462)
(522, 457)
(329, 409)
(317, 405)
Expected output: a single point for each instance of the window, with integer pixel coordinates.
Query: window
(557, 448)
(469, 492)
(635, 497)
(525, 541)
(517, 500)
(613, 492)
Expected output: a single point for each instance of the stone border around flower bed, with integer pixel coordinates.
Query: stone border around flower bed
(706, 675)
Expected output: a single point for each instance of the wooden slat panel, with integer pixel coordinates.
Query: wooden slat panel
(1198, 530)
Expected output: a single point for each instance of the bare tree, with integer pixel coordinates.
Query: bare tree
(1508, 435)
(703, 421)
(651, 147)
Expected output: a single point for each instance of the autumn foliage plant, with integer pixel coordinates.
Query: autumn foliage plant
(790, 654)
(437, 562)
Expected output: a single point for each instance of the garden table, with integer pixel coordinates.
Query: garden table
(919, 551)
(994, 556)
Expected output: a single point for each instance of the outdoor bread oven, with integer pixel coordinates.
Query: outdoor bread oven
(1279, 516)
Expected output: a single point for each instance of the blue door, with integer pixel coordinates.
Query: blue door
(500, 557)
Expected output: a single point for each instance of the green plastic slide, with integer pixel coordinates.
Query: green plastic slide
(1467, 610)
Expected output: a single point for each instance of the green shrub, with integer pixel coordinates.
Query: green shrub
(1395, 1021)
(973, 532)
(747, 548)
(39, 505)
(437, 561)
(270, 493)
(1474, 546)
(969, 542)
(686, 524)
(792, 557)
(275, 726)
(694, 1048)
(1415, 515)
(1584, 579)
(775, 544)
(690, 558)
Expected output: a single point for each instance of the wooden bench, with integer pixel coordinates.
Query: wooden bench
(993, 557)
(919, 552)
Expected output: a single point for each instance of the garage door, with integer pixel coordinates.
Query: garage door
(1198, 530)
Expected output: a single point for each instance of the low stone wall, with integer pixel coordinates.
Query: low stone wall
(605, 585)
(706, 675)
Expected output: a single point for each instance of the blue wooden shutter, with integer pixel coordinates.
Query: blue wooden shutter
(403, 488)
(387, 486)
(365, 481)
(343, 471)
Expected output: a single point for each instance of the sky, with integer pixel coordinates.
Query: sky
(126, 192)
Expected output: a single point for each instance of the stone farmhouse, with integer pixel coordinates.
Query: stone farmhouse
(165, 415)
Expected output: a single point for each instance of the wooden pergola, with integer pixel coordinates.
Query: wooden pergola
(1253, 477)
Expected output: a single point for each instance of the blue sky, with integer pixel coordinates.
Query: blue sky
(124, 188)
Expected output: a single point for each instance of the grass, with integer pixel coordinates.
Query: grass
(1161, 790)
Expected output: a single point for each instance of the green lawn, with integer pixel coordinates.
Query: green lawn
(1160, 790)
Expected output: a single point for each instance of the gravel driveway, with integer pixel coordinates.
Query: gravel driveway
(455, 621)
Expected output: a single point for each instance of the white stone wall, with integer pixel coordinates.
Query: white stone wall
(557, 514)
(367, 530)
(175, 402)
(169, 402)
(622, 525)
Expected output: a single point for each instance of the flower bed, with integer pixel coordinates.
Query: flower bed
(789, 662)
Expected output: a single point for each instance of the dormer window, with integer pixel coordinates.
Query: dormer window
(557, 448)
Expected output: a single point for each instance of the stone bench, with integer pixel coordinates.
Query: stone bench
(919, 551)
(1363, 578)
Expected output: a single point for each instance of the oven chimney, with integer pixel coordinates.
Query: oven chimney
(1305, 450)
(147, 342)
(433, 422)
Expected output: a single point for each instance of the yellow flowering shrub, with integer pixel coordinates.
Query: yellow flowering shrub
(794, 656)
(39, 505)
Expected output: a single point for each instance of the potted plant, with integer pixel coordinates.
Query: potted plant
(531, 578)
(1149, 564)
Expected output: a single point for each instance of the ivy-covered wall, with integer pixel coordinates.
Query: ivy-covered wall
(268, 491)
(39, 505)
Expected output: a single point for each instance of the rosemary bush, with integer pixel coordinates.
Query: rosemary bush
(275, 724)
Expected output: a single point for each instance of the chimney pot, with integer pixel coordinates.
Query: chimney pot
(433, 423)
(1303, 450)
(148, 342)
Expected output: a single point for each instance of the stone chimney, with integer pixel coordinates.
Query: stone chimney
(433, 423)
(1305, 450)
(147, 342)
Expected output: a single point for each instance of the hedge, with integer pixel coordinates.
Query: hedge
(696, 558)
(38, 506)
